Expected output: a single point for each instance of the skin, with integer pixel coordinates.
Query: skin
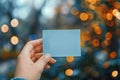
(31, 62)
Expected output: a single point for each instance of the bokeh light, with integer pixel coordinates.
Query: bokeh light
(4, 28)
(115, 11)
(95, 42)
(113, 54)
(114, 73)
(14, 22)
(109, 16)
(84, 16)
(108, 36)
(14, 40)
(69, 72)
(70, 58)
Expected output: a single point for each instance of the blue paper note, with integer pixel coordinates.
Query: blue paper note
(61, 43)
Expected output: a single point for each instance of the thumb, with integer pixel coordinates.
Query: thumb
(42, 61)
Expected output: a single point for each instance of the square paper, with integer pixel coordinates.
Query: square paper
(61, 43)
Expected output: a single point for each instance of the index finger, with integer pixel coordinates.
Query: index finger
(31, 44)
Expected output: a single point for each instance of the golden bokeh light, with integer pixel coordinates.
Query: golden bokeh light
(14, 40)
(14, 22)
(69, 72)
(90, 15)
(113, 55)
(118, 15)
(115, 11)
(4, 28)
(95, 43)
(97, 30)
(108, 36)
(109, 16)
(91, 6)
(70, 59)
(114, 73)
(84, 16)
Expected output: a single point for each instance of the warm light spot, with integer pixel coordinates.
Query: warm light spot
(91, 6)
(14, 40)
(118, 15)
(4, 28)
(91, 1)
(106, 65)
(115, 11)
(69, 72)
(113, 55)
(95, 43)
(114, 73)
(97, 30)
(70, 58)
(109, 16)
(108, 36)
(106, 42)
(14, 22)
(84, 16)
(90, 15)
(116, 5)
(95, 73)
(74, 11)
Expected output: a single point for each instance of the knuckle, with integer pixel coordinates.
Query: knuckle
(29, 42)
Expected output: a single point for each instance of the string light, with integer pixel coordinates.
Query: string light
(14, 22)
(14, 40)
(114, 73)
(4, 28)
(69, 72)
(84, 16)
(70, 59)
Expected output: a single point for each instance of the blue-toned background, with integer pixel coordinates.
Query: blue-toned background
(99, 21)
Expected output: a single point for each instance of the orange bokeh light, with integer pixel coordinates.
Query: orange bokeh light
(115, 11)
(113, 55)
(108, 36)
(84, 16)
(69, 72)
(70, 58)
(14, 40)
(14, 22)
(97, 30)
(114, 73)
(109, 16)
(95, 43)
(4, 28)
(106, 65)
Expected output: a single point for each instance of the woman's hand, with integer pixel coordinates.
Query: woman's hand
(31, 62)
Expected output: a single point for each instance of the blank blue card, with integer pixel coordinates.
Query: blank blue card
(61, 43)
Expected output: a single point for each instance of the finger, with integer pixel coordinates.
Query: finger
(47, 66)
(52, 61)
(38, 49)
(43, 61)
(30, 46)
(36, 56)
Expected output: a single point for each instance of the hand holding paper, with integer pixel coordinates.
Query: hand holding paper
(61, 43)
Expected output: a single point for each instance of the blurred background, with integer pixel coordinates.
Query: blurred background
(98, 20)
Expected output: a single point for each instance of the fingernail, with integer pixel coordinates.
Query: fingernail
(53, 60)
